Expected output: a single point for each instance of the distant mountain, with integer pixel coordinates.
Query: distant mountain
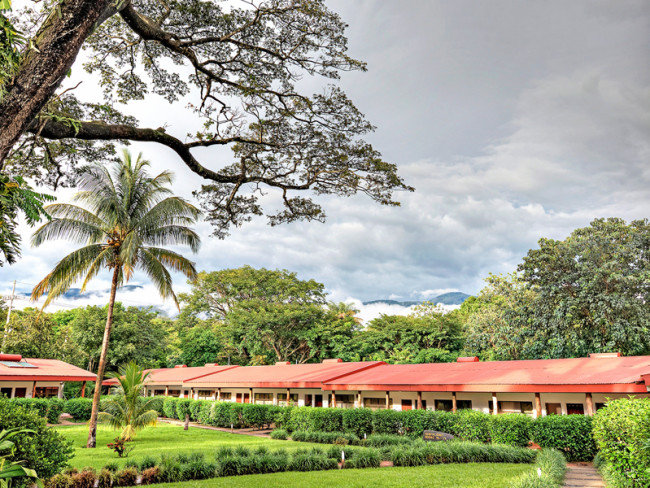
(451, 298)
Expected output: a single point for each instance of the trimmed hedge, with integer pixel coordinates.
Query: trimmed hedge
(513, 429)
(182, 408)
(50, 408)
(341, 438)
(357, 421)
(622, 433)
(569, 434)
(459, 452)
(169, 407)
(79, 408)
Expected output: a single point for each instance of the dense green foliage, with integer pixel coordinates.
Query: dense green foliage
(569, 434)
(50, 408)
(622, 434)
(43, 449)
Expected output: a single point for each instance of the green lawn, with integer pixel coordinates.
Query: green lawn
(165, 438)
(473, 475)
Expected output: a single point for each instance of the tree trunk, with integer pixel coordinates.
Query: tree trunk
(92, 431)
(43, 67)
(187, 421)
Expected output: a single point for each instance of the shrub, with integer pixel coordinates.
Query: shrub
(79, 408)
(150, 476)
(311, 462)
(408, 456)
(37, 405)
(325, 419)
(55, 410)
(364, 458)
(257, 416)
(198, 469)
(279, 434)
(205, 408)
(112, 467)
(59, 481)
(195, 409)
(170, 469)
(126, 477)
(169, 407)
(440, 421)
(282, 417)
(235, 416)
(105, 479)
(513, 429)
(146, 463)
(85, 479)
(45, 450)
(156, 403)
(472, 425)
(273, 463)
(386, 422)
(183, 408)
(381, 440)
(340, 438)
(220, 414)
(553, 467)
(357, 421)
(622, 433)
(570, 434)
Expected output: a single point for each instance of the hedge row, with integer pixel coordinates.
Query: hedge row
(622, 433)
(49, 408)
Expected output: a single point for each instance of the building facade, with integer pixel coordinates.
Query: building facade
(533, 387)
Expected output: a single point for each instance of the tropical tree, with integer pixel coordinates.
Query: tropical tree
(127, 410)
(129, 215)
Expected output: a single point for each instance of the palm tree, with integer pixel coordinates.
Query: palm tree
(127, 410)
(128, 215)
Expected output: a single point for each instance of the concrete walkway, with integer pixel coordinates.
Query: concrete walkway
(582, 475)
(253, 432)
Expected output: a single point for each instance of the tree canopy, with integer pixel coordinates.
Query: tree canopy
(235, 66)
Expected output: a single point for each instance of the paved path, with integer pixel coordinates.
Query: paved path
(253, 432)
(582, 475)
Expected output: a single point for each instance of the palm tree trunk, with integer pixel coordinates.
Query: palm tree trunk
(92, 432)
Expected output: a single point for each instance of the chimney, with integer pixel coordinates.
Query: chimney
(282, 363)
(467, 359)
(11, 357)
(181, 366)
(604, 355)
(331, 361)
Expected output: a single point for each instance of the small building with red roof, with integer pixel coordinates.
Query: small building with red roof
(32, 377)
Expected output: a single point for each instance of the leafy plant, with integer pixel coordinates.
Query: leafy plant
(11, 471)
(119, 446)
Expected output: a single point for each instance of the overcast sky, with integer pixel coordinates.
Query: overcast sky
(513, 120)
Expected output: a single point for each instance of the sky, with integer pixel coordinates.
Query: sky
(512, 120)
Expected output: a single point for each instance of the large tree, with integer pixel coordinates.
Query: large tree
(235, 66)
(128, 216)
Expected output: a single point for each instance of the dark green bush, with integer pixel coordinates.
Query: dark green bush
(381, 440)
(170, 469)
(311, 462)
(569, 434)
(622, 433)
(513, 429)
(55, 409)
(45, 450)
(235, 415)
(220, 414)
(156, 403)
(169, 407)
(146, 463)
(197, 469)
(79, 408)
(472, 425)
(257, 416)
(183, 408)
(408, 456)
(386, 422)
(341, 438)
(357, 421)
(204, 412)
(282, 417)
(195, 409)
(279, 434)
(37, 405)
(364, 458)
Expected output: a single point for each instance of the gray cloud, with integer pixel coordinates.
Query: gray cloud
(513, 120)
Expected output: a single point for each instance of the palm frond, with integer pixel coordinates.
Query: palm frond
(73, 230)
(170, 211)
(174, 261)
(157, 273)
(102, 259)
(66, 272)
(174, 235)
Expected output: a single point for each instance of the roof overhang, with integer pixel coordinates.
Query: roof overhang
(489, 388)
(46, 378)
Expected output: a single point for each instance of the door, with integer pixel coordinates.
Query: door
(238, 398)
(247, 398)
(318, 400)
(407, 404)
(575, 409)
(20, 392)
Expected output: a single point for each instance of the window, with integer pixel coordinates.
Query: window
(46, 391)
(159, 392)
(376, 403)
(600, 405)
(205, 393)
(174, 393)
(464, 404)
(526, 407)
(445, 405)
(575, 409)
(6, 392)
(553, 409)
(515, 407)
(225, 395)
(264, 398)
(282, 398)
(20, 392)
(344, 399)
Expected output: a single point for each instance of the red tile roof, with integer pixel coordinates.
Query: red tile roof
(176, 375)
(594, 374)
(310, 375)
(44, 370)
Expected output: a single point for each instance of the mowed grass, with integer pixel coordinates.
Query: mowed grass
(472, 475)
(162, 439)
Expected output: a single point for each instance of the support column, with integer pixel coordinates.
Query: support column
(275, 398)
(333, 399)
(60, 392)
(33, 390)
(419, 402)
(83, 389)
(167, 390)
(251, 398)
(214, 395)
(495, 404)
(590, 404)
(218, 394)
(313, 399)
(454, 402)
(387, 400)
(538, 405)
(288, 397)
(359, 403)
